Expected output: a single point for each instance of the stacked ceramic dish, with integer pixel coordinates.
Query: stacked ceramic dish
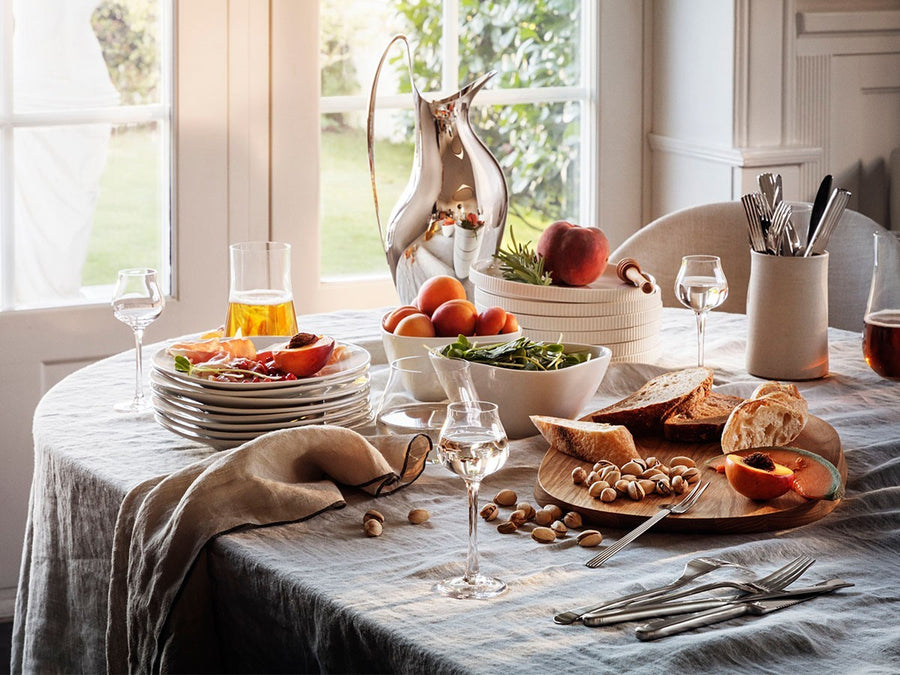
(226, 414)
(607, 312)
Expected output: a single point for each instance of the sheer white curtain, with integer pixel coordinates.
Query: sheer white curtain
(58, 66)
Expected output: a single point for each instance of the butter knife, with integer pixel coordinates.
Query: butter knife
(665, 628)
(663, 609)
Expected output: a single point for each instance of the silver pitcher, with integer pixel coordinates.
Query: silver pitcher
(453, 210)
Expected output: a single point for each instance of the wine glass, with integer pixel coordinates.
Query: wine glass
(137, 301)
(472, 445)
(702, 286)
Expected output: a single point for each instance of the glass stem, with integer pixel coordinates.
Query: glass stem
(472, 556)
(701, 333)
(138, 365)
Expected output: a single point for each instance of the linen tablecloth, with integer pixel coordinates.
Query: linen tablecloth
(320, 596)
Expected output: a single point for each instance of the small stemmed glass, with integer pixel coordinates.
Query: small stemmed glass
(137, 301)
(473, 444)
(701, 285)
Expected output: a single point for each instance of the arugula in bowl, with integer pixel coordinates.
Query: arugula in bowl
(520, 354)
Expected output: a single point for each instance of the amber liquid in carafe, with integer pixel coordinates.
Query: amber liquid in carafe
(881, 342)
(260, 313)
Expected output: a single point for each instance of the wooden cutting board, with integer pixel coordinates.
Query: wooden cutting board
(720, 510)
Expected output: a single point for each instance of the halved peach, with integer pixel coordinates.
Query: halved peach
(304, 361)
(814, 476)
(757, 476)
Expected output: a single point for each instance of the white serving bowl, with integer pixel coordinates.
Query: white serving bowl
(559, 393)
(398, 346)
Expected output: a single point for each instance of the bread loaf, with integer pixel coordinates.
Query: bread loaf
(589, 441)
(644, 410)
(774, 416)
(703, 420)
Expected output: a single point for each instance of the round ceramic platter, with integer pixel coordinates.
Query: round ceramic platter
(201, 412)
(329, 417)
(639, 302)
(631, 349)
(649, 356)
(607, 288)
(355, 360)
(627, 336)
(601, 324)
(237, 403)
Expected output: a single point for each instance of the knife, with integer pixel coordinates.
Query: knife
(818, 207)
(662, 609)
(665, 628)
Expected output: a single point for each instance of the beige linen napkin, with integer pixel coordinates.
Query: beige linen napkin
(159, 617)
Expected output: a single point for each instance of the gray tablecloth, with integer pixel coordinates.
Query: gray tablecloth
(318, 595)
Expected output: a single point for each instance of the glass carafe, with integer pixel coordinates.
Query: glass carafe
(881, 333)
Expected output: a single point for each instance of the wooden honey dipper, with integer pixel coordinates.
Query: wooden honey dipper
(629, 271)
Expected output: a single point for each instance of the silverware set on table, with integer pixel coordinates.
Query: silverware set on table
(772, 227)
(759, 596)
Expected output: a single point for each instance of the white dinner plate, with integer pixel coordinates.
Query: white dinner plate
(639, 302)
(598, 337)
(355, 360)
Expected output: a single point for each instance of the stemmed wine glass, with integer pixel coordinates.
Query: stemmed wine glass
(702, 286)
(473, 444)
(137, 301)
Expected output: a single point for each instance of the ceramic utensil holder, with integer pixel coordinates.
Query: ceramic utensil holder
(787, 315)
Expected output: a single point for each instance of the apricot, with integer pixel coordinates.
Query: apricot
(438, 290)
(415, 325)
(757, 476)
(391, 319)
(511, 325)
(455, 317)
(304, 361)
(491, 321)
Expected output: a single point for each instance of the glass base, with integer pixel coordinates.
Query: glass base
(480, 588)
(134, 406)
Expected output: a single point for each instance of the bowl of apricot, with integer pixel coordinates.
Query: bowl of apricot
(439, 314)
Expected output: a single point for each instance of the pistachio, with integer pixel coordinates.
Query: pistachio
(635, 491)
(662, 487)
(572, 519)
(681, 460)
(663, 469)
(554, 510)
(632, 467)
(649, 473)
(608, 495)
(507, 527)
(652, 461)
(592, 478)
(372, 514)
(519, 517)
(579, 475)
(600, 465)
(559, 527)
(506, 498)
(597, 488)
(373, 527)
(610, 474)
(647, 485)
(489, 511)
(630, 477)
(677, 470)
(589, 538)
(418, 516)
(527, 508)
(621, 486)
(543, 534)
(679, 485)
(543, 518)
(691, 475)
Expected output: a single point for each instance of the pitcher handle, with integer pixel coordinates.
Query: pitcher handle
(370, 123)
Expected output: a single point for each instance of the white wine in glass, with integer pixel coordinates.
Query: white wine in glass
(473, 444)
(701, 285)
(137, 301)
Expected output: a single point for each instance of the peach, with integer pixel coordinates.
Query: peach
(304, 361)
(511, 325)
(757, 476)
(814, 476)
(454, 317)
(573, 255)
(491, 321)
(391, 319)
(415, 325)
(438, 290)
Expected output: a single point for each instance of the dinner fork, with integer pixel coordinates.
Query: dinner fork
(693, 569)
(663, 606)
(681, 507)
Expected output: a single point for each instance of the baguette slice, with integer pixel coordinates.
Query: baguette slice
(644, 410)
(772, 419)
(701, 421)
(589, 441)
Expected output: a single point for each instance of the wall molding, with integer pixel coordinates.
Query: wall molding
(736, 157)
(810, 23)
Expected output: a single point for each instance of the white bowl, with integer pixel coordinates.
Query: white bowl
(398, 346)
(559, 393)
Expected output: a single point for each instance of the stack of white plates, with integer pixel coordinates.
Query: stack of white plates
(607, 312)
(226, 414)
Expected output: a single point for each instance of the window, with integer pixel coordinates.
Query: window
(85, 147)
(537, 115)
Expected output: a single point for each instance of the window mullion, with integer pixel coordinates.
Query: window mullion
(590, 114)
(7, 182)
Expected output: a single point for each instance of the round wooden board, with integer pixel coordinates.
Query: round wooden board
(720, 510)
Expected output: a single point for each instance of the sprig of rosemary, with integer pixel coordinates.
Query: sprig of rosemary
(519, 262)
(183, 365)
(520, 354)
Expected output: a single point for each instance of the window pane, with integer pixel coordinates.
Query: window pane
(128, 32)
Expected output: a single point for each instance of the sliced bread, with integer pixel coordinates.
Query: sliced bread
(589, 441)
(771, 419)
(644, 410)
(703, 420)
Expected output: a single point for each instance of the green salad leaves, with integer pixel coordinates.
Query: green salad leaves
(520, 354)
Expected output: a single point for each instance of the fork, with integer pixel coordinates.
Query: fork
(681, 507)
(692, 569)
(662, 605)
